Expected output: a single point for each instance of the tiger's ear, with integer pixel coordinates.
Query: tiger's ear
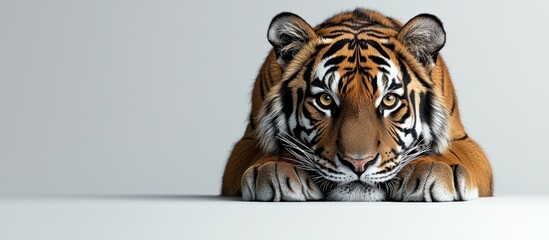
(288, 33)
(424, 36)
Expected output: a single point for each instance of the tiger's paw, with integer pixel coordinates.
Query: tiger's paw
(278, 181)
(435, 181)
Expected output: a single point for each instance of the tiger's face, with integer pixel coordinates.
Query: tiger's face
(356, 102)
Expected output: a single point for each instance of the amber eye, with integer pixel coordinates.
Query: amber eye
(390, 100)
(325, 100)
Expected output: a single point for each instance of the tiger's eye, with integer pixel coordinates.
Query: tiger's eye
(390, 100)
(325, 100)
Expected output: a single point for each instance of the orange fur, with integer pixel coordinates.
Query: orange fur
(462, 149)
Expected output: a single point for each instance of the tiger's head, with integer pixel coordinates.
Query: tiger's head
(356, 102)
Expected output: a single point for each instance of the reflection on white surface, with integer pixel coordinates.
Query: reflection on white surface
(210, 217)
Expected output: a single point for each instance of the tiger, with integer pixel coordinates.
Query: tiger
(359, 108)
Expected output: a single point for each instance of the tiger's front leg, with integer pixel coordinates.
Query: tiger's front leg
(273, 180)
(432, 180)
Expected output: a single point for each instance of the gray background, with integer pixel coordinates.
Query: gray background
(149, 96)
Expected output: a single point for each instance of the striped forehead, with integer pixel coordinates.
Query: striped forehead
(367, 70)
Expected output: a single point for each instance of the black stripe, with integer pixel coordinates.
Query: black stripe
(383, 70)
(422, 81)
(412, 97)
(405, 76)
(317, 82)
(456, 182)
(299, 179)
(308, 182)
(261, 89)
(461, 138)
(278, 180)
(288, 184)
(364, 83)
(389, 46)
(405, 73)
(442, 79)
(394, 85)
(332, 69)
(378, 47)
(393, 21)
(255, 170)
(416, 188)
(345, 85)
(379, 60)
(251, 121)
(335, 61)
(287, 99)
(453, 105)
(307, 75)
(370, 30)
(432, 194)
(254, 174)
(335, 47)
(323, 166)
(373, 81)
(429, 173)
(394, 112)
(296, 171)
(273, 189)
(377, 36)
(450, 150)
(426, 107)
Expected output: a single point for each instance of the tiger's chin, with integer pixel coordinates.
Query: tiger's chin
(356, 192)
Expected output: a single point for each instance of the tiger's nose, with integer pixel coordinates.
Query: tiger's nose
(359, 165)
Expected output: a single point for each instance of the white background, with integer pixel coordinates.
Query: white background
(149, 96)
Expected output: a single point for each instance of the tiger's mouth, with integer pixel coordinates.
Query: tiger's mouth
(342, 184)
(356, 191)
(334, 177)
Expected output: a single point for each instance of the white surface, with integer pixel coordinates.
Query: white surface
(208, 217)
(111, 96)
